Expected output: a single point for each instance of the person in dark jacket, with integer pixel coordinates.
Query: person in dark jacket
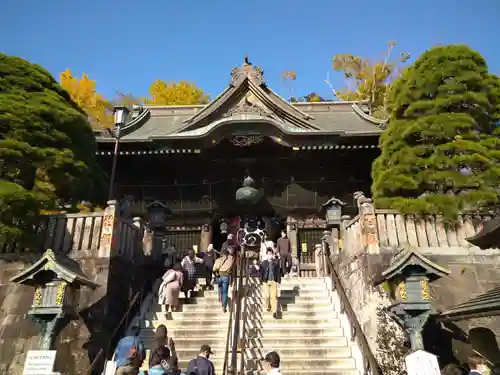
(159, 362)
(201, 365)
(161, 339)
(208, 261)
(270, 276)
(283, 248)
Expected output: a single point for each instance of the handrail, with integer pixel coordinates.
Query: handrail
(115, 332)
(244, 317)
(225, 369)
(237, 315)
(233, 334)
(370, 362)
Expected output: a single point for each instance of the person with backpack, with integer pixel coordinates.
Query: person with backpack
(130, 354)
(159, 362)
(161, 338)
(174, 366)
(201, 365)
(224, 269)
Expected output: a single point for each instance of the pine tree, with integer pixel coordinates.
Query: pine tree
(47, 147)
(439, 154)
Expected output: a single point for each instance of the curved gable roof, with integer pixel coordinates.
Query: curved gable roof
(247, 98)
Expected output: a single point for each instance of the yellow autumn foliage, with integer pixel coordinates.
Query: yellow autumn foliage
(176, 93)
(83, 92)
(369, 79)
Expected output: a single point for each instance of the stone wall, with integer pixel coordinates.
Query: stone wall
(362, 259)
(117, 265)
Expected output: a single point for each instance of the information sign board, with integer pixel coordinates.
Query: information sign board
(39, 362)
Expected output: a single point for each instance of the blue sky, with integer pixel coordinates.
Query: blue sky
(126, 45)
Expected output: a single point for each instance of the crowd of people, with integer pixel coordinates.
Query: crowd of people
(130, 354)
(271, 262)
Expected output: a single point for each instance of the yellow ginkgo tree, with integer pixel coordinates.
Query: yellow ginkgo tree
(176, 93)
(83, 92)
(369, 79)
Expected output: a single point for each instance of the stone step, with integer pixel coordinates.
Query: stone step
(278, 341)
(278, 331)
(294, 299)
(306, 370)
(301, 351)
(181, 332)
(298, 363)
(293, 308)
(296, 315)
(298, 304)
(294, 324)
(201, 322)
(314, 280)
(292, 295)
(214, 315)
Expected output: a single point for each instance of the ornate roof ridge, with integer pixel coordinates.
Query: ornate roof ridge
(382, 124)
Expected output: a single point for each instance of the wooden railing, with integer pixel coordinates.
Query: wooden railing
(398, 230)
(370, 364)
(130, 239)
(65, 233)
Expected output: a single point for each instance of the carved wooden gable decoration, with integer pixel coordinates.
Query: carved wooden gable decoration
(249, 98)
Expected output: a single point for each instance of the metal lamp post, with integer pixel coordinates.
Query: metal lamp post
(120, 118)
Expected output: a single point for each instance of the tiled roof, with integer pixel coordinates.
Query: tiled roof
(247, 100)
(483, 305)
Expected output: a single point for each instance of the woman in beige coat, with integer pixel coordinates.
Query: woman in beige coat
(168, 295)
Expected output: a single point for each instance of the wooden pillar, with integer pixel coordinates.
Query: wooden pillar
(205, 237)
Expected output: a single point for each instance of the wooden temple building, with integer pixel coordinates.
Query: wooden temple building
(191, 159)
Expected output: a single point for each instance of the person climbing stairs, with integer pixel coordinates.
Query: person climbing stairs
(308, 335)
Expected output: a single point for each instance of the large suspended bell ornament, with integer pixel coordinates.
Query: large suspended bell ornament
(247, 194)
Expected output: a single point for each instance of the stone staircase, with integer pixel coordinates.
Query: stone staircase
(199, 322)
(309, 336)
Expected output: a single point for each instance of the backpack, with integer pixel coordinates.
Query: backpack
(192, 368)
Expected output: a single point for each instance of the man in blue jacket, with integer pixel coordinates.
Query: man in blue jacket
(130, 353)
(201, 365)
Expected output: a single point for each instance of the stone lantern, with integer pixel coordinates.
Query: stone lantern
(158, 213)
(333, 211)
(408, 278)
(56, 279)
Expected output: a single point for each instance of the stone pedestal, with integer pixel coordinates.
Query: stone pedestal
(292, 234)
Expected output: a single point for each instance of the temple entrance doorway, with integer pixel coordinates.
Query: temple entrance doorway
(223, 226)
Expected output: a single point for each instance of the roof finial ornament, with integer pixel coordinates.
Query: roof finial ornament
(246, 60)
